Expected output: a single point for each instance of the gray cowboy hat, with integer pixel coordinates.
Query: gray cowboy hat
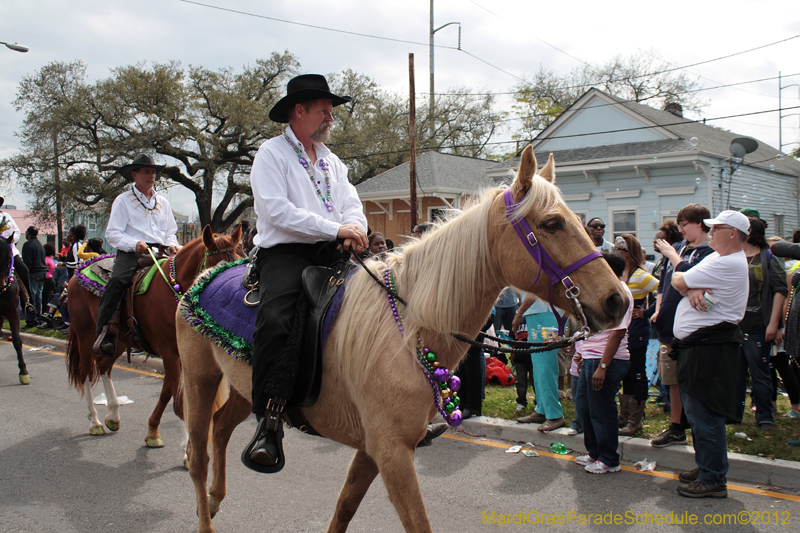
(141, 160)
(302, 89)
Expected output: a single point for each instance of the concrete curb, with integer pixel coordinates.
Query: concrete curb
(138, 362)
(743, 468)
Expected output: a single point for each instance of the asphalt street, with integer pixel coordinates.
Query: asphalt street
(55, 477)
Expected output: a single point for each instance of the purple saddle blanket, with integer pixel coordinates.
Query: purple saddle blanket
(222, 300)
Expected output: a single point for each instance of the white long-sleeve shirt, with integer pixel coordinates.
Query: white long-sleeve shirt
(7, 222)
(134, 218)
(286, 203)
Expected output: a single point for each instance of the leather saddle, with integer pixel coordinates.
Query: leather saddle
(320, 285)
(103, 269)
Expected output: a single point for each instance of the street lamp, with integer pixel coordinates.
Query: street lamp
(16, 47)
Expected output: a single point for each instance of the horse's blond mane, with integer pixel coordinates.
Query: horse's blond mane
(440, 276)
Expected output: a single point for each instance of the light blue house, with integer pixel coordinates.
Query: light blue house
(635, 166)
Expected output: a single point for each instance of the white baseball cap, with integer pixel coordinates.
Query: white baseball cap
(733, 219)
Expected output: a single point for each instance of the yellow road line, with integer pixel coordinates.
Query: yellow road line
(125, 368)
(731, 486)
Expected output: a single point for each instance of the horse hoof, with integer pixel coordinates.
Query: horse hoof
(112, 425)
(25, 379)
(154, 443)
(97, 431)
(213, 505)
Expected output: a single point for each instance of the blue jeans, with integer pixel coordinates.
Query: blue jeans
(754, 355)
(577, 423)
(37, 286)
(708, 439)
(599, 409)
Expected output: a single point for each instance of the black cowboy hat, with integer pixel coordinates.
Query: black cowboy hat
(2, 201)
(141, 160)
(302, 89)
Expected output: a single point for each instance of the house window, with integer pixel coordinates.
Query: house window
(582, 215)
(92, 226)
(778, 224)
(435, 214)
(623, 220)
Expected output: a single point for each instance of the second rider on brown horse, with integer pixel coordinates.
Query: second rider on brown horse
(140, 219)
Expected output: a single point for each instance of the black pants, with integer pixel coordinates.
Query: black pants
(504, 316)
(47, 292)
(21, 270)
(280, 270)
(635, 381)
(471, 382)
(125, 266)
(789, 375)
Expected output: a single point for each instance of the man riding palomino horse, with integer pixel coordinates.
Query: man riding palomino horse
(303, 201)
(140, 219)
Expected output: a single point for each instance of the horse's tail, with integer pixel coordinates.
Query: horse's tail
(77, 372)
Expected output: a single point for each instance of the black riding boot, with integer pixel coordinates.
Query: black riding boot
(265, 452)
(106, 344)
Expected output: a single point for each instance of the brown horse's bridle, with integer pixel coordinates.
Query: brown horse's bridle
(208, 254)
(553, 271)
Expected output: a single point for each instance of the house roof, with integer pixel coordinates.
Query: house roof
(435, 172)
(710, 141)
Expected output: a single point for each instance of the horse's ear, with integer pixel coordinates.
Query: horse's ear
(527, 169)
(237, 234)
(548, 171)
(208, 238)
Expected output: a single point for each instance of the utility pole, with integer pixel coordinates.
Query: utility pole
(57, 180)
(412, 138)
(781, 116)
(431, 121)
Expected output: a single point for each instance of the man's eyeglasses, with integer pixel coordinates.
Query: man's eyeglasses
(681, 226)
(598, 226)
(717, 227)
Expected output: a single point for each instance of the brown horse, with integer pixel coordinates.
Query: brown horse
(155, 312)
(375, 397)
(10, 289)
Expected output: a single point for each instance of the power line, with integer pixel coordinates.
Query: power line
(391, 39)
(581, 134)
(346, 32)
(504, 93)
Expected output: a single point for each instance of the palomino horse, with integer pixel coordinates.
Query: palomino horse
(375, 397)
(9, 303)
(155, 312)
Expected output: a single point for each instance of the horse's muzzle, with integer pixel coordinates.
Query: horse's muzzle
(615, 307)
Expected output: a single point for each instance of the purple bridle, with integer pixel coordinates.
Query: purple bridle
(546, 263)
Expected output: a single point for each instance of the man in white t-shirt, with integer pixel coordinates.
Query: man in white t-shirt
(707, 345)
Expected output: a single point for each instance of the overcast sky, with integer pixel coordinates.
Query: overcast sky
(507, 35)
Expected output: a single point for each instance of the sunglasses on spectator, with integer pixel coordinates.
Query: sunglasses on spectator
(598, 226)
(620, 244)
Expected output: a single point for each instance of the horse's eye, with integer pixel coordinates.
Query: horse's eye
(553, 225)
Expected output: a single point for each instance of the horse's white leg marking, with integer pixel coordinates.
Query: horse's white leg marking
(97, 427)
(113, 404)
(184, 442)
